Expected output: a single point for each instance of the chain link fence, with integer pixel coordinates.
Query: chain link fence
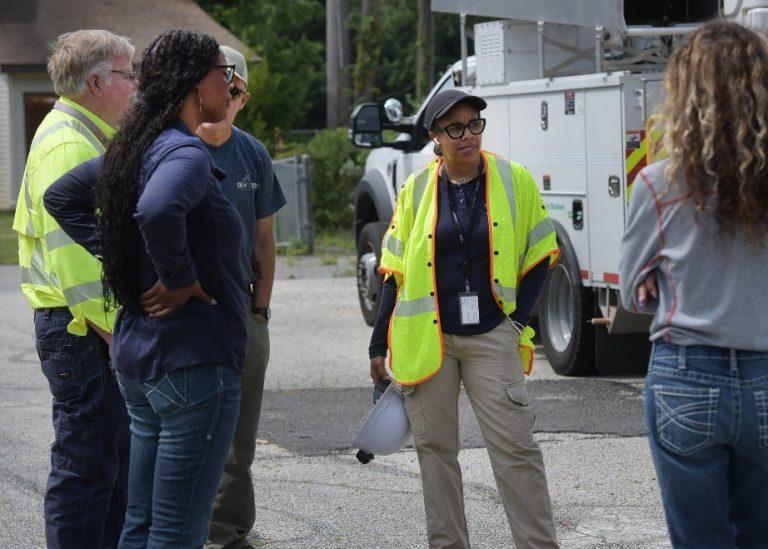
(293, 223)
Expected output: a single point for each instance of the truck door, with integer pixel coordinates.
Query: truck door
(605, 182)
(546, 135)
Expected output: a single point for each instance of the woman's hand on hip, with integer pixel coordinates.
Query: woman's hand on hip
(379, 369)
(160, 301)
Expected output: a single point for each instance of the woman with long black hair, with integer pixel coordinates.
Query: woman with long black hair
(170, 245)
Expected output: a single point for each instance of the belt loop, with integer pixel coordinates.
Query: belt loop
(733, 360)
(681, 365)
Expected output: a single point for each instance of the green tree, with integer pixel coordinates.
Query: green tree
(288, 86)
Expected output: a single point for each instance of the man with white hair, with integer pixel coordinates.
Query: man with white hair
(86, 492)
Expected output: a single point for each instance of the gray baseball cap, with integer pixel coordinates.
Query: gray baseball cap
(444, 101)
(234, 57)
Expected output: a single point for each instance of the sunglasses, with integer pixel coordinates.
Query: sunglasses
(229, 73)
(236, 92)
(456, 131)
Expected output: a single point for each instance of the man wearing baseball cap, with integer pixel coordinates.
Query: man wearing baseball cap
(255, 192)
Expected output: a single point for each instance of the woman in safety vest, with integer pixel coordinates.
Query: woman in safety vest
(170, 243)
(695, 253)
(465, 258)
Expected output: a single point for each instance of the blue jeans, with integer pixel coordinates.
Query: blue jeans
(707, 416)
(182, 424)
(85, 497)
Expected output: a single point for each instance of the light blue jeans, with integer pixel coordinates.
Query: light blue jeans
(707, 418)
(182, 425)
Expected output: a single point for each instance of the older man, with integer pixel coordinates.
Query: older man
(85, 497)
(252, 187)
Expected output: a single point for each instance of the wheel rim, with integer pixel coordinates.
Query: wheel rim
(559, 309)
(366, 279)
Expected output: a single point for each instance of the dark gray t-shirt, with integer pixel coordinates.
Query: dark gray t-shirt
(251, 184)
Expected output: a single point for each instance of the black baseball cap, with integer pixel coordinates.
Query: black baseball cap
(445, 101)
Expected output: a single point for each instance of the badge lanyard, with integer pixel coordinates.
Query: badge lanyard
(469, 309)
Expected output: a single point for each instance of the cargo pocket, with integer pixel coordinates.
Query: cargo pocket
(519, 412)
(74, 449)
(685, 417)
(414, 409)
(761, 405)
(60, 367)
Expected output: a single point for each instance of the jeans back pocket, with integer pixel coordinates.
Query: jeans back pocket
(168, 394)
(685, 417)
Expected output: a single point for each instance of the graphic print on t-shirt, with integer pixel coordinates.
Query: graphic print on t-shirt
(249, 183)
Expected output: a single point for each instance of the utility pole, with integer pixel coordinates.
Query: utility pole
(336, 62)
(424, 49)
(367, 51)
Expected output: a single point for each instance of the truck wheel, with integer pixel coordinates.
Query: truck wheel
(565, 312)
(369, 281)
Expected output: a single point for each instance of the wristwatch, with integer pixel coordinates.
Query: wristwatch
(266, 312)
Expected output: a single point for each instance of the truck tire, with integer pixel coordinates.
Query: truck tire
(565, 312)
(369, 281)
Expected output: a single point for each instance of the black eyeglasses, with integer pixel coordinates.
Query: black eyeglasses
(128, 75)
(456, 130)
(236, 92)
(229, 74)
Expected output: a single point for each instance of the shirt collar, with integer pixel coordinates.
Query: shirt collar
(108, 130)
(178, 124)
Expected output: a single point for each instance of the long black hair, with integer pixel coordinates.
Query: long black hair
(172, 63)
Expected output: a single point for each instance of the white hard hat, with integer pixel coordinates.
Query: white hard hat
(386, 429)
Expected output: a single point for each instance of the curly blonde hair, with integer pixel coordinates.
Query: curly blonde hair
(716, 118)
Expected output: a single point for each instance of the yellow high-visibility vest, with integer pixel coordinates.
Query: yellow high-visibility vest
(520, 236)
(56, 272)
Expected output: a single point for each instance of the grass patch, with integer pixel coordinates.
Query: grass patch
(329, 245)
(336, 242)
(9, 240)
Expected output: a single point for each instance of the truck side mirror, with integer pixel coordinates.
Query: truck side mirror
(366, 126)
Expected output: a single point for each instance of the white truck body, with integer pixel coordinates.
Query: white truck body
(581, 135)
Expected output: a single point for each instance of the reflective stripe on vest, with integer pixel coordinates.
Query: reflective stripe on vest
(394, 245)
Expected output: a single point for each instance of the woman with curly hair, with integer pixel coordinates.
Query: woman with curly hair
(694, 254)
(170, 245)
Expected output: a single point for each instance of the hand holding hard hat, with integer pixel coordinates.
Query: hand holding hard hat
(386, 429)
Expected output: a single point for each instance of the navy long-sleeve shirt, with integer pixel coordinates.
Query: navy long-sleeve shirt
(449, 257)
(189, 231)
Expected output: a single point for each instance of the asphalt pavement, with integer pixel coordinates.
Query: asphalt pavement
(311, 492)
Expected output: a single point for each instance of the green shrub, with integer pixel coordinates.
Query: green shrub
(337, 166)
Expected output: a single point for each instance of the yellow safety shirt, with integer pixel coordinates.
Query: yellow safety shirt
(56, 272)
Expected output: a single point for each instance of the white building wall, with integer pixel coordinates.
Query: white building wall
(19, 85)
(5, 144)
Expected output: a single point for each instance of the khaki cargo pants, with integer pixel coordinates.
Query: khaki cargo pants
(489, 366)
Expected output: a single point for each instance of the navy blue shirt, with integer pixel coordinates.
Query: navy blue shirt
(449, 257)
(189, 231)
(251, 184)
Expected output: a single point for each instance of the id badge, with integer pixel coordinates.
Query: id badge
(469, 309)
